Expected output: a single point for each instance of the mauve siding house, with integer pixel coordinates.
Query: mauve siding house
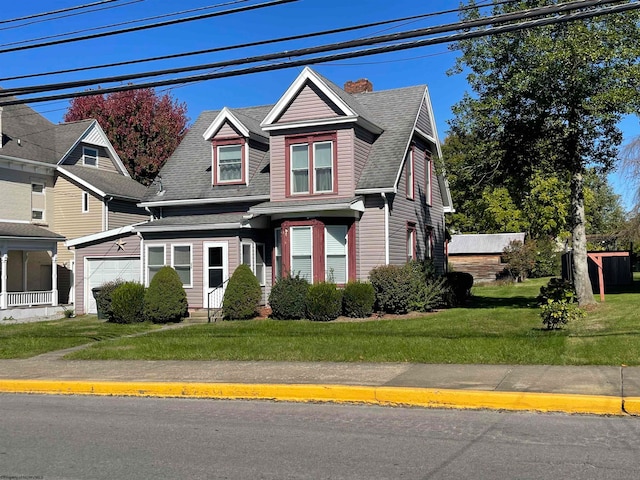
(325, 184)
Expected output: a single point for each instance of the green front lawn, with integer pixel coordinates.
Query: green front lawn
(502, 326)
(29, 339)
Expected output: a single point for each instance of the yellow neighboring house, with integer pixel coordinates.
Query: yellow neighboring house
(57, 182)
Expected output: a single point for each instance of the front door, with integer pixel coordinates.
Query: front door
(216, 273)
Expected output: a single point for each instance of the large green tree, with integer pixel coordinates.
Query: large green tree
(549, 100)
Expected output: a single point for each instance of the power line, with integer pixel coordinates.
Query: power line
(252, 44)
(394, 37)
(129, 22)
(93, 10)
(270, 3)
(53, 12)
(564, 18)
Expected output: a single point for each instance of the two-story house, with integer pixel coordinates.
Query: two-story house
(57, 182)
(326, 184)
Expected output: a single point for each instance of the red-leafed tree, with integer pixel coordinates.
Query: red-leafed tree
(144, 127)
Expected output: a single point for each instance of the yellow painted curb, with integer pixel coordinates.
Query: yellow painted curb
(422, 397)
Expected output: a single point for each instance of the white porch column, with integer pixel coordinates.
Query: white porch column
(25, 268)
(3, 291)
(54, 279)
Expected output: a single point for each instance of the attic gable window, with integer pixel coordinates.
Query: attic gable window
(89, 156)
(229, 162)
(311, 164)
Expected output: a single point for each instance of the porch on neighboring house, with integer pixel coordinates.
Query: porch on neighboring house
(28, 258)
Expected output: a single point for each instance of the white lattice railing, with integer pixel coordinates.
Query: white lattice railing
(28, 299)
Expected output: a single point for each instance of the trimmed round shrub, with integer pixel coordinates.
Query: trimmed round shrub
(358, 299)
(103, 300)
(165, 300)
(127, 303)
(393, 289)
(242, 296)
(460, 284)
(288, 298)
(324, 302)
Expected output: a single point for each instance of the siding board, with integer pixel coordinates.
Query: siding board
(370, 237)
(309, 104)
(104, 161)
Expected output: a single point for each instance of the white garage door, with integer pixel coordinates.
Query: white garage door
(101, 270)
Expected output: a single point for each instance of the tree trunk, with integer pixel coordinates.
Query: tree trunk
(581, 280)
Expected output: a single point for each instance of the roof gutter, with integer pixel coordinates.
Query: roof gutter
(203, 201)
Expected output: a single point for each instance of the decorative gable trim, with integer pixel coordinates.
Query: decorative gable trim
(307, 75)
(225, 115)
(94, 135)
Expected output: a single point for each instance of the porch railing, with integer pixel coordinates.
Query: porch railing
(29, 299)
(214, 302)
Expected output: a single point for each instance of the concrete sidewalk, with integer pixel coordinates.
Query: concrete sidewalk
(586, 389)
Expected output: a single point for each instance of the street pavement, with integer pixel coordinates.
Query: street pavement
(611, 390)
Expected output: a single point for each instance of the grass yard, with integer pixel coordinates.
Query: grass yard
(501, 326)
(29, 339)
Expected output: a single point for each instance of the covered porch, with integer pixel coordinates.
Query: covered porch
(28, 266)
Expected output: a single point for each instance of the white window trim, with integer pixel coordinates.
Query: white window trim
(411, 243)
(277, 235)
(84, 156)
(38, 183)
(310, 228)
(315, 177)
(346, 252)
(253, 247)
(146, 259)
(242, 166)
(173, 264)
(40, 220)
(291, 179)
(428, 187)
(85, 202)
(411, 174)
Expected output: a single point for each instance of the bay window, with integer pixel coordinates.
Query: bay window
(301, 252)
(336, 253)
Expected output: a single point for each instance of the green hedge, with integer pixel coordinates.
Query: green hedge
(324, 302)
(358, 299)
(103, 299)
(127, 303)
(242, 295)
(165, 300)
(288, 298)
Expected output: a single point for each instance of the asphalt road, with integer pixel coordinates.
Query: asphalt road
(52, 437)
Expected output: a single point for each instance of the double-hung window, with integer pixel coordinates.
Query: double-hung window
(252, 254)
(277, 253)
(411, 241)
(428, 173)
(311, 165)
(182, 261)
(155, 260)
(301, 252)
(90, 156)
(229, 164)
(335, 239)
(410, 174)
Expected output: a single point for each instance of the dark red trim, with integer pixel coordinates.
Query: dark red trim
(428, 176)
(219, 142)
(411, 189)
(351, 252)
(411, 227)
(310, 139)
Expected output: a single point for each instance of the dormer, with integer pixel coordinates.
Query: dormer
(313, 101)
(230, 137)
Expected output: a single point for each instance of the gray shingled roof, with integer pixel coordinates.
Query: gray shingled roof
(111, 183)
(67, 134)
(482, 243)
(395, 111)
(27, 230)
(187, 173)
(203, 222)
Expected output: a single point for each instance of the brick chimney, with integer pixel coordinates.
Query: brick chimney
(359, 86)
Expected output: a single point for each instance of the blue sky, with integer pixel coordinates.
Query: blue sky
(424, 65)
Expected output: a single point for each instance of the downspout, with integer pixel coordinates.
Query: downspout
(386, 228)
(105, 223)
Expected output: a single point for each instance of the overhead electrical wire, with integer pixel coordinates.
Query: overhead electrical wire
(393, 37)
(67, 15)
(128, 22)
(53, 12)
(501, 28)
(166, 23)
(251, 44)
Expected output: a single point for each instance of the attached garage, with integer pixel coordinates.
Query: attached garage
(101, 258)
(101, 270)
